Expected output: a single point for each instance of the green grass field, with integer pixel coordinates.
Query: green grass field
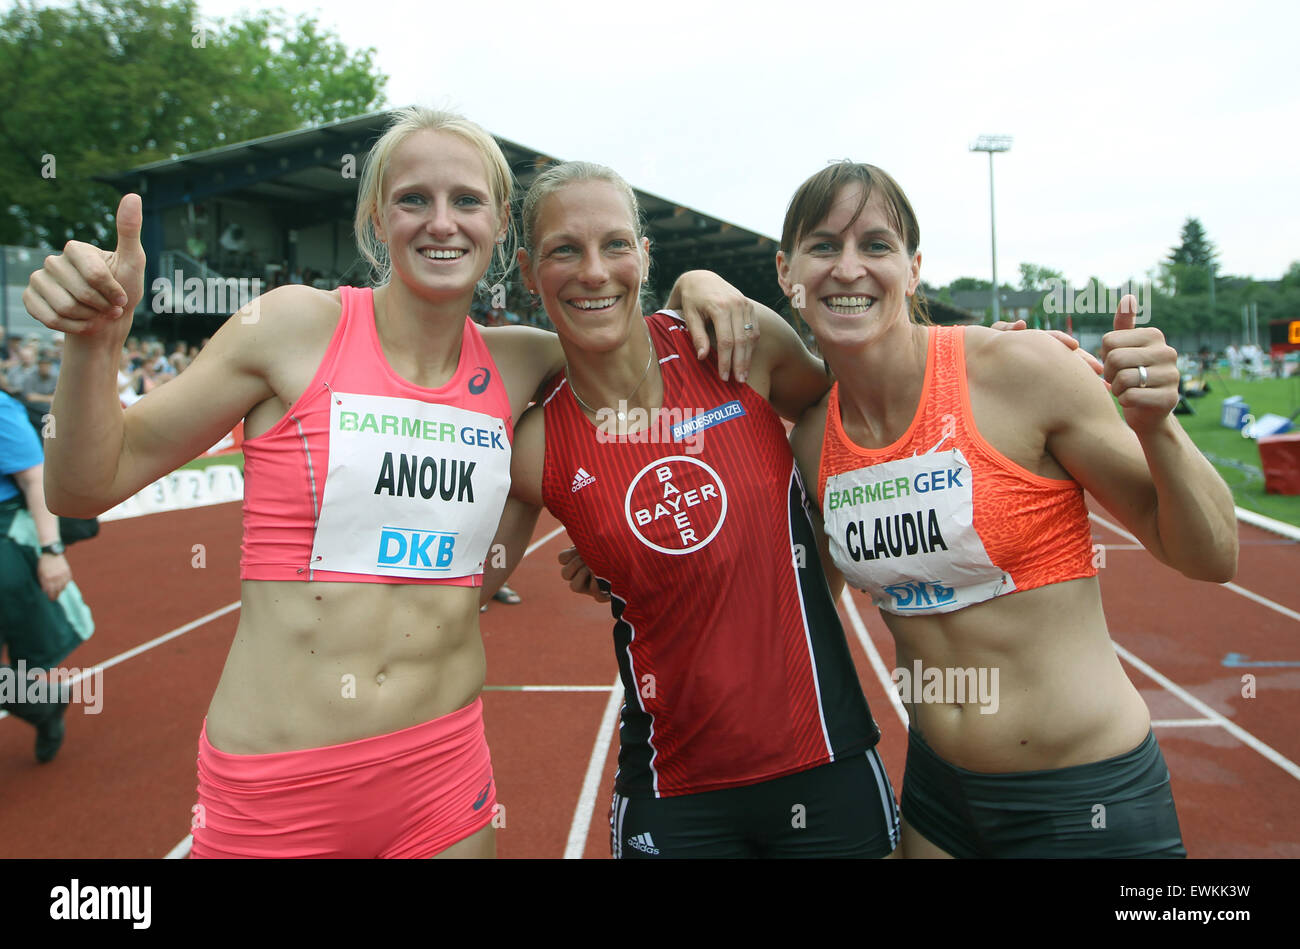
(205, 460)
(1237, 458)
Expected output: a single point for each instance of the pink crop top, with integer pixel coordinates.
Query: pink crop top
(372, 479)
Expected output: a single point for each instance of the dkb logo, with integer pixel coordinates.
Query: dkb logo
(400, 546)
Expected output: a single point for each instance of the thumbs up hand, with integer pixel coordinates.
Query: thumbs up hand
(1141, 368)
(87, 291)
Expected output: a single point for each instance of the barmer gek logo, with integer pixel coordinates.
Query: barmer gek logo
(478, 382)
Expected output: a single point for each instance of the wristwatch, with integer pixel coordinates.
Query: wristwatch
(55, 548)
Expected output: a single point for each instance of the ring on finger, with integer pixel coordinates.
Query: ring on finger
(748, 327)
(1142, 377)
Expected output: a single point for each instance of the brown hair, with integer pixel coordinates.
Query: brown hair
(812, 202)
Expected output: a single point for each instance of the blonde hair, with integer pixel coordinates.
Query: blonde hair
(404, 123)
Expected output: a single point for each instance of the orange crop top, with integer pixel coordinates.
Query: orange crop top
(941, 520)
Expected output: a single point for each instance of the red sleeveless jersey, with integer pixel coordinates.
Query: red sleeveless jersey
(734, 664)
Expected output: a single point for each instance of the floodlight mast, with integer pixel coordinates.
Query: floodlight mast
(991, 144)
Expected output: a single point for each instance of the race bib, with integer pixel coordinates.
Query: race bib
(903, 532)
(414, 489)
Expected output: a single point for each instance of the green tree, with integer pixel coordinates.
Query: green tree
(98, 87)
(1189, 266)
(1292, 276)
(969, 283)
(1034, 277)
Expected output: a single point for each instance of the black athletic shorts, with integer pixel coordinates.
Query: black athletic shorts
(1119, 807)
(842, 809)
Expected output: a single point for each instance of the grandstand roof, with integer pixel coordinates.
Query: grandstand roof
(299, 173)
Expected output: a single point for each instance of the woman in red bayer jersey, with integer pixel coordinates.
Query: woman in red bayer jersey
(745, 732)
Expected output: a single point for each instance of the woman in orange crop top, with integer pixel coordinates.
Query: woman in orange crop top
(950, 464)
(347, 719)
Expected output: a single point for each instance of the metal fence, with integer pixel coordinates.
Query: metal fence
(16, 266)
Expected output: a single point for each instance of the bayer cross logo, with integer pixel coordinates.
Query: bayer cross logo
(676, 505)
(478, 382)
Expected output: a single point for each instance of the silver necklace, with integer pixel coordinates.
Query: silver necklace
(622, 416)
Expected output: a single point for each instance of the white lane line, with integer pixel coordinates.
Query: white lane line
(548, 688)
(1183, 722)
(538, 543)
(1289, 531)
(181, 850)
(1241, 591)
(577, 842)
(877, 663)
(1283, 762)
(145, 647)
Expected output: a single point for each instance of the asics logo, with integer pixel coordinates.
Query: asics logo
(478, 382)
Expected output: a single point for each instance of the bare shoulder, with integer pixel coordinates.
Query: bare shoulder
(510, 340)
(527, 357)
(1028, 368)
(292, 310)
(281, 322)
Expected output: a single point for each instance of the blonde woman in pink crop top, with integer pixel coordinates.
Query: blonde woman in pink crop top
(950, 464)
(347, 720)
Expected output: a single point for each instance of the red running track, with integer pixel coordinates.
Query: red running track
(123, 785)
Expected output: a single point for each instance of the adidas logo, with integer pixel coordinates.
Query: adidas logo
(582, 479)
(643, 843)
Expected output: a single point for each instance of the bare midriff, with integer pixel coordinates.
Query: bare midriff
(1048, 689)
(322, 663)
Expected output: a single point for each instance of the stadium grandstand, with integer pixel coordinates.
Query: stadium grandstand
(279, 209)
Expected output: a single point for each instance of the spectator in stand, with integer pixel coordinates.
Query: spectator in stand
(38, 386)
(25, 365)
(157, 359)
(179, 358)
(128, 377)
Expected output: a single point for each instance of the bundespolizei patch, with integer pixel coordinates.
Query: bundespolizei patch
(698, 423)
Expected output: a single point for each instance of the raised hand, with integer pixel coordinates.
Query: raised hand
(86, 291)
(1141, 367)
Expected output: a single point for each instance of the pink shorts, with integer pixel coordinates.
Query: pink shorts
(410, 794)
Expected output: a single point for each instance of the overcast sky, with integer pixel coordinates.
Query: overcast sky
(1127, 117)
